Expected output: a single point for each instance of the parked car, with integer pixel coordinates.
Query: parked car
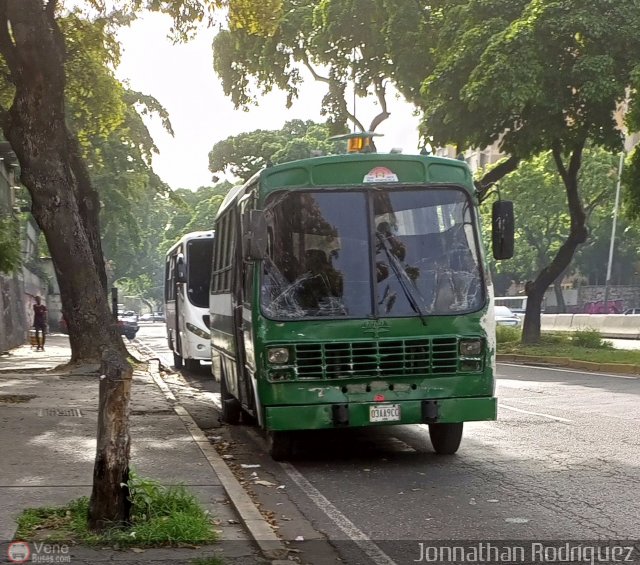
(159, 317)
(146, 318)
(128, 323)
(505, 317)
(632, 311)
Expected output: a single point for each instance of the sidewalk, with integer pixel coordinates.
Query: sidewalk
(48, 429)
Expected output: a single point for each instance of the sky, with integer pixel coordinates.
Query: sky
(181, 77)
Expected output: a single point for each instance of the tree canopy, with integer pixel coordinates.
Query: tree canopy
(245, 154)
(535, 76)
(343, 44)
(543, 223)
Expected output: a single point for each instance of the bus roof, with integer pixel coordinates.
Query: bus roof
(189, 236)
(356, 169)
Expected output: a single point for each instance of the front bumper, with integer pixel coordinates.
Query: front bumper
(356, 414)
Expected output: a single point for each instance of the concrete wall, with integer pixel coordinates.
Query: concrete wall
(13, 321)
(612, 325)
(13, 324)
(17, 290)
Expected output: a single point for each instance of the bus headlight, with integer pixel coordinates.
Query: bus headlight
(470, 347)
(196, 330)
(278, 355)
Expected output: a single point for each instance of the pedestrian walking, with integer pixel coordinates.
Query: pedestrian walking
(40, 323)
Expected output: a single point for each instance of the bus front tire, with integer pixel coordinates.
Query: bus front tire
(177, 361)
(192, 364)
(280, 445)
(445, 438)
(231, 409)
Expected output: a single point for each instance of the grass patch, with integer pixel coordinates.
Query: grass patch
(507, 334)
(583, 345)
(207, 561)
(160, 516)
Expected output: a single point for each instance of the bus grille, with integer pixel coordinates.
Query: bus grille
(333, 360)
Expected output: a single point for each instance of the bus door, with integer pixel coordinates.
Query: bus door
(237, 304)
(180, 278)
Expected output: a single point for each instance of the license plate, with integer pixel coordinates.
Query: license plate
(384, 413)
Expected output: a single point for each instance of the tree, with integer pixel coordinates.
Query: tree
(206, 208)
(245, 154)
(340, 42)
(134, 200)
(38, 47)
(535, 76)
(10, 253)
(542, 220)
(66, 207)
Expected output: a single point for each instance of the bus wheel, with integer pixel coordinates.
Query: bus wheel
(280, 445)
(231, 409)
(445, 438)
(177, 361)
(192, 364)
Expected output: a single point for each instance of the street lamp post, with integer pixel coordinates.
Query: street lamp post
(613, 236)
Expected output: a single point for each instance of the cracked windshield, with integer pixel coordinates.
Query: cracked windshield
(319, 260)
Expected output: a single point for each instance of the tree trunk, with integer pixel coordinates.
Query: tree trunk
(65, 207)
(64, 204)
(578, 234)
(111, 505)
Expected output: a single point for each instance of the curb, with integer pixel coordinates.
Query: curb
(565, 362)
(259, 529)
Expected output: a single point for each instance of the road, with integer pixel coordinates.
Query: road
(561, 463)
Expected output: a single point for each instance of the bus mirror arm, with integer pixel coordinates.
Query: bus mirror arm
(255, 236)
(503, 229)
(181, 271)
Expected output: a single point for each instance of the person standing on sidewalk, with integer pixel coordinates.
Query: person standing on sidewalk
(40, 322)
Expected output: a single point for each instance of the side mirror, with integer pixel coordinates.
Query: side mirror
(181, 269)
(255, 236)
(503, 229)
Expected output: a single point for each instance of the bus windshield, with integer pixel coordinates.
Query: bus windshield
(199, 257)
(373, 252)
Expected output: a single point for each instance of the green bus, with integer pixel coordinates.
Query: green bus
(352, 290)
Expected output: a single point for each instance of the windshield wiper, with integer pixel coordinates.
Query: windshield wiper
(411, 292)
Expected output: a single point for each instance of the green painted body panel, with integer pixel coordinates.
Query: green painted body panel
(350, 170)
(318, 416)
(407, 389)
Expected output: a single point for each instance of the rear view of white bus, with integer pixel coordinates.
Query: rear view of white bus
(186, 297)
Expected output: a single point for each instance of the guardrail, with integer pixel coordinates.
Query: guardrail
(609, 325)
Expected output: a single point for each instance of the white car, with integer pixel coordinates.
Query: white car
(505, 317)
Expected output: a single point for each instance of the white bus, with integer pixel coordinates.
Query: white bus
(186, 299)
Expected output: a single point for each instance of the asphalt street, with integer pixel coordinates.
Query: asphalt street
(561, 463)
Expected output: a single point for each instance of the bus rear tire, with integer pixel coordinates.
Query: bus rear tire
(231, 410)
(445, 438)
(192, 364)
(280, 445)
(177, 361)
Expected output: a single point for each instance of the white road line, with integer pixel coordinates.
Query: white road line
(354, 533)
(557, 418)
(586, 373)
(376, 555)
